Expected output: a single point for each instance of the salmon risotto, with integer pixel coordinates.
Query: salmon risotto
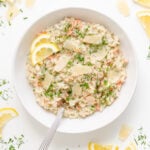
(77, 65)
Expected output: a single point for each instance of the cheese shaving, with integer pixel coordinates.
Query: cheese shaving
(123, 7)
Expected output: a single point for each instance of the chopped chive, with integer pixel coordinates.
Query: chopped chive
(79, 57)
(9, 23)
(67, 26)
(85, 85)
(89, 63)
(25, 18)
(11, 14)
(69, 64)
(68, 99)
(21, 10)
(105, 82)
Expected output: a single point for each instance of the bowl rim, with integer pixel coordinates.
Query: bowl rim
(86, 9)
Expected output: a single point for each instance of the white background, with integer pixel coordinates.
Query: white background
(137, 113)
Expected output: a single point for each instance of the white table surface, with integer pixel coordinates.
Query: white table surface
(137, 113)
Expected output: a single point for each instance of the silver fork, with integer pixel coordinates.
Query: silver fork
(51, 132)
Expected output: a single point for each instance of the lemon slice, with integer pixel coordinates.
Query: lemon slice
(42, 51)
(145, 3)
(131, 146)
(41, 38)
(6, 114)
(144, 17)
(95, 146)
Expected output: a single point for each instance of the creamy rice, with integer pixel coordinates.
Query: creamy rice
(87, 73)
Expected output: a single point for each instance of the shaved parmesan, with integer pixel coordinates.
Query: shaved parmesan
(90, 100)
(76, 90)
(30, 3)
(98, 56)
(113, 76)
(12, 12)
(73, 102)
(123, 7)
(47, 80)
(80, 70)
(71, 44)
(124, 132)
(61, 63)
(93, 39)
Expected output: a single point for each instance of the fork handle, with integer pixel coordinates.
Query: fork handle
(51, 132)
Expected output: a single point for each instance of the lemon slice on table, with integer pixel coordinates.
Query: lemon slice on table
(145, 3)
(144, 17)
(6, 114)
(95, 146)
(131, 146)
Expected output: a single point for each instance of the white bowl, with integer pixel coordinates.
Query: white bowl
(99, 119)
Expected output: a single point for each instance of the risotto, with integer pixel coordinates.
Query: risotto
(85, 75)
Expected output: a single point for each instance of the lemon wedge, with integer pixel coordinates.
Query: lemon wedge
(144, 17)
(41, 48)
(145, 3)
(42, 51)
(95, 146)
(6, 114)
(41, 38)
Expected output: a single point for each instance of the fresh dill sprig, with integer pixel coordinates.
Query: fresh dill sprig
(141, 139)
(5, 90)
(13, 143)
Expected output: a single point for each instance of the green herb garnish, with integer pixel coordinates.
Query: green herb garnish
(13, 143)
(9, 23)
(79, 57)
(5, 91)
(81, 34)
(50, 91)
(2, 3)
(25, 18)
(141, 139)
(68, 98)
(21, 10)
(92, 108)
(96, 47)
(104, 42)
(3, 82)
(88, 77)
(58, 93)
(11, 14)
(89, 63)
(67, 26)
(105, 82)
(69, 64)
(11, 147)
(84, 85)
